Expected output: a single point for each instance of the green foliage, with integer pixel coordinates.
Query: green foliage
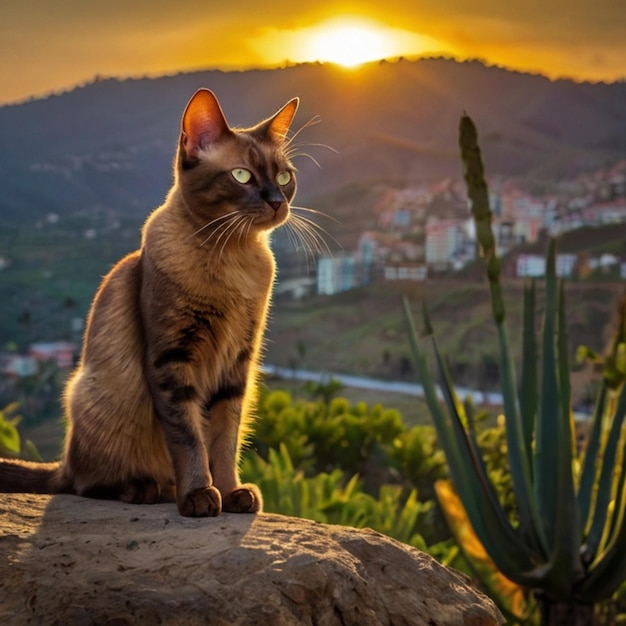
(351, 464)
(325, 391)
(321, 436)
(9, 437)
(418, 459)
(329, 498)
(10, 441)
(342, 463)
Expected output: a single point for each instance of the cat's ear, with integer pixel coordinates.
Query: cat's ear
(203, 123)
(277, 126)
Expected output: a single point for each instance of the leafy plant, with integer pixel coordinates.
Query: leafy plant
(567, 541)
(324, 435)
(419, 460)
(329, 498)
(10, 440)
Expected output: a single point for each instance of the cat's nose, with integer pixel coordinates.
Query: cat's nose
(273, 197)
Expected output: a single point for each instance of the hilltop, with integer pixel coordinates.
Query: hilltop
(107, 147)
(80, 170)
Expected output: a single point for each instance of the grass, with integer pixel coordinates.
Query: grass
(361, 332)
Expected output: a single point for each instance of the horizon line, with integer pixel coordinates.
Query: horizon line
(287, 64)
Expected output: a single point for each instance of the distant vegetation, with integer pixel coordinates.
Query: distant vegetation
(52, 271)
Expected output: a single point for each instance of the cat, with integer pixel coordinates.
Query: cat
(160, 400)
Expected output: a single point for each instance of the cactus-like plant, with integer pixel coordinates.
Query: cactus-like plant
(568, 546)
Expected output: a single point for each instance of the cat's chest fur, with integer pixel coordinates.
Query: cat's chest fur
(210, 274)
(202, 305)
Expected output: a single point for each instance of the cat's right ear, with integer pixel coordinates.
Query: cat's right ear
(203, 123)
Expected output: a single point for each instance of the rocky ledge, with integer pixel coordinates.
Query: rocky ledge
(69, 560)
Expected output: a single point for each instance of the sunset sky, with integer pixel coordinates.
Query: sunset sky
(49, 45)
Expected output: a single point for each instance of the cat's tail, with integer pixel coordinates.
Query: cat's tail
(18, 476)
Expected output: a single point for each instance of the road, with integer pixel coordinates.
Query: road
(362, 382)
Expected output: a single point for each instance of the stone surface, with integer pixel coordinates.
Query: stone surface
(69, 560)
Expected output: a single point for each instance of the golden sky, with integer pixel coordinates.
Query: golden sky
(48, 45)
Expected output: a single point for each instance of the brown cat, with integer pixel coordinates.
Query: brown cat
(166, 380)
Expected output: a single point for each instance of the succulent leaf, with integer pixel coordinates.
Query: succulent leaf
(528, 387)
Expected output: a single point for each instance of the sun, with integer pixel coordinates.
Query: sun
(349, 44)
(348, 41)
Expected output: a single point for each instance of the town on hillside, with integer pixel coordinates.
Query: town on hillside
(421, 232)
(426, 231)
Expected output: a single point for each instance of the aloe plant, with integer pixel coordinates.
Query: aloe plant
(568, 543)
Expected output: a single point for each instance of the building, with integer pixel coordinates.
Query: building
(335, 274)
(531, 266)
(406, 271)
(62, 352)
(445, 240)
(17, 365)
(534, 265)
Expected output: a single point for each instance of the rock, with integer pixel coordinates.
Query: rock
(69, 560)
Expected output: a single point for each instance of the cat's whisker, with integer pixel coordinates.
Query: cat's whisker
(244, 231)
(304, 154)
(290, 235)
(217, 232)
(228, 232)
(310, 245)
(319, 145)
(300, 245)
(315, 228)
(249, 227)
(293, 150)
(242, 225)
(303, 249)
(222, 228)
(309, 242)
(297, 149)
(316, 212)
(207, 225)
(312, 234)
(316, 119)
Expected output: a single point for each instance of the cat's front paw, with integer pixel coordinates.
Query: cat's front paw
(205, 502)
(244, 499)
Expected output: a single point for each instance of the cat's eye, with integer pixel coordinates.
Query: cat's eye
(242, 175)
(284, 178)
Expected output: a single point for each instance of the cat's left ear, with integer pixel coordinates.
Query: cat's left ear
(203, 123)
(277, 126)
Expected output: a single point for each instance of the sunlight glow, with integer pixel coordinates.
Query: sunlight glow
(349, 45)
(347, 41)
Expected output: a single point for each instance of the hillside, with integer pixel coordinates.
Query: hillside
(363, 331)
(99, 157)
(107, 146)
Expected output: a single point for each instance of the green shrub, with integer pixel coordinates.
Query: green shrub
(330, 498)
(10, 441)
(321, 436)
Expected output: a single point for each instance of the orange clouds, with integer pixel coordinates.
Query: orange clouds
(44, 47)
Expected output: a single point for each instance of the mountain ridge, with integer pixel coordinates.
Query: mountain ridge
(108, 145)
